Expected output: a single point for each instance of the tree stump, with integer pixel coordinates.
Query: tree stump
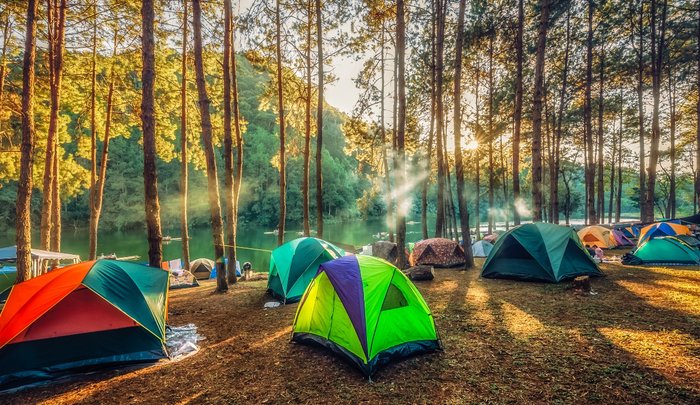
(420, 273)
(582, 284)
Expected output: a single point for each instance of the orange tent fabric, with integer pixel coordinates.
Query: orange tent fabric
(30, 300)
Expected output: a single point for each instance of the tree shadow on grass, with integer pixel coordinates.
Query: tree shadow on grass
(580, 347)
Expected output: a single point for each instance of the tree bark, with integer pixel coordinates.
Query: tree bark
(439, 221)
(477, 155)
(492, 185)
(148, 119)
(229, 208)
(184, 170)
(282, 129)
(400, 167)
(307, 121)
(431, 132)
(657, 53)
(554, 199)
(671, 210)
(319, 123)
(518, 112)
(23, 222)
(92, 255)
(217, 225)
(601, 106)
(640, 103)
(537, 112)
(238, 178)
(618, 200)
(588, 128)
(56, 30)
(459, 166)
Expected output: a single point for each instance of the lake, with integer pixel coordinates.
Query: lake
(254, 242)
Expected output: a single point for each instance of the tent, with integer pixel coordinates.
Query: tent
(39, 258)
(662, 229)
(8, 275)
(691, 241)
(539, 252)
(202, 268)
(481, 248)
(596, 235)
(182, 279)
(693, 219)
(620, 238)
(438, 252)
(629, 232)
(294, 264)
(667, 250)
(366, 311)
(81, 316)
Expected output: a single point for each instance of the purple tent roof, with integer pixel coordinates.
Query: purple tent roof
(621, 239)
(344, 274)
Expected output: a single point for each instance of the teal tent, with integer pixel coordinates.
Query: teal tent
(294, 264)
(668, 251)
(539, 252)
(8, 275)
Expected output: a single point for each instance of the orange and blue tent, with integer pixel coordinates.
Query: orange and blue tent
(661, 229)
(82, 316)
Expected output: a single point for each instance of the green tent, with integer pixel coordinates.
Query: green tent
(667, 250)
(294, 264)
(8, 275)
(539, 252)
(367, 311)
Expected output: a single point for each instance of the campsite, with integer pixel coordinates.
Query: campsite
(505, 341)
(349, 201)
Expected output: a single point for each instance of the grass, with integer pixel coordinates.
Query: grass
(637, 340)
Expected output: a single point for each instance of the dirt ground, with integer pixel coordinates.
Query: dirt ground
(637, 340)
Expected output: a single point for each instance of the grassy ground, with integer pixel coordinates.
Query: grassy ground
(636, 341)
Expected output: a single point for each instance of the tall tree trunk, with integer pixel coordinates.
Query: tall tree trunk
(148, 119)
(400, 167)
(672, 134)
(431, 132)
(537, 112)
(97, 192)
(657, 54)
(319, 123)
(554, 200)
(184, 170)
(307, 120)
(394, 115)
(640, 103)
(518, 112)
(217, 225)
(229, 208)
(56, 30)
(385, 146)
(23, 221)
(459, 166)
(613, 159)
(492, 185)
(238, 178)
(618, 200)
(92, 255)
(477, 155)
(440, 220)
(599, 171)
(587, 118)
(280, 104)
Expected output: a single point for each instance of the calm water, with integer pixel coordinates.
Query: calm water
(133, 243)
(254, 242)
